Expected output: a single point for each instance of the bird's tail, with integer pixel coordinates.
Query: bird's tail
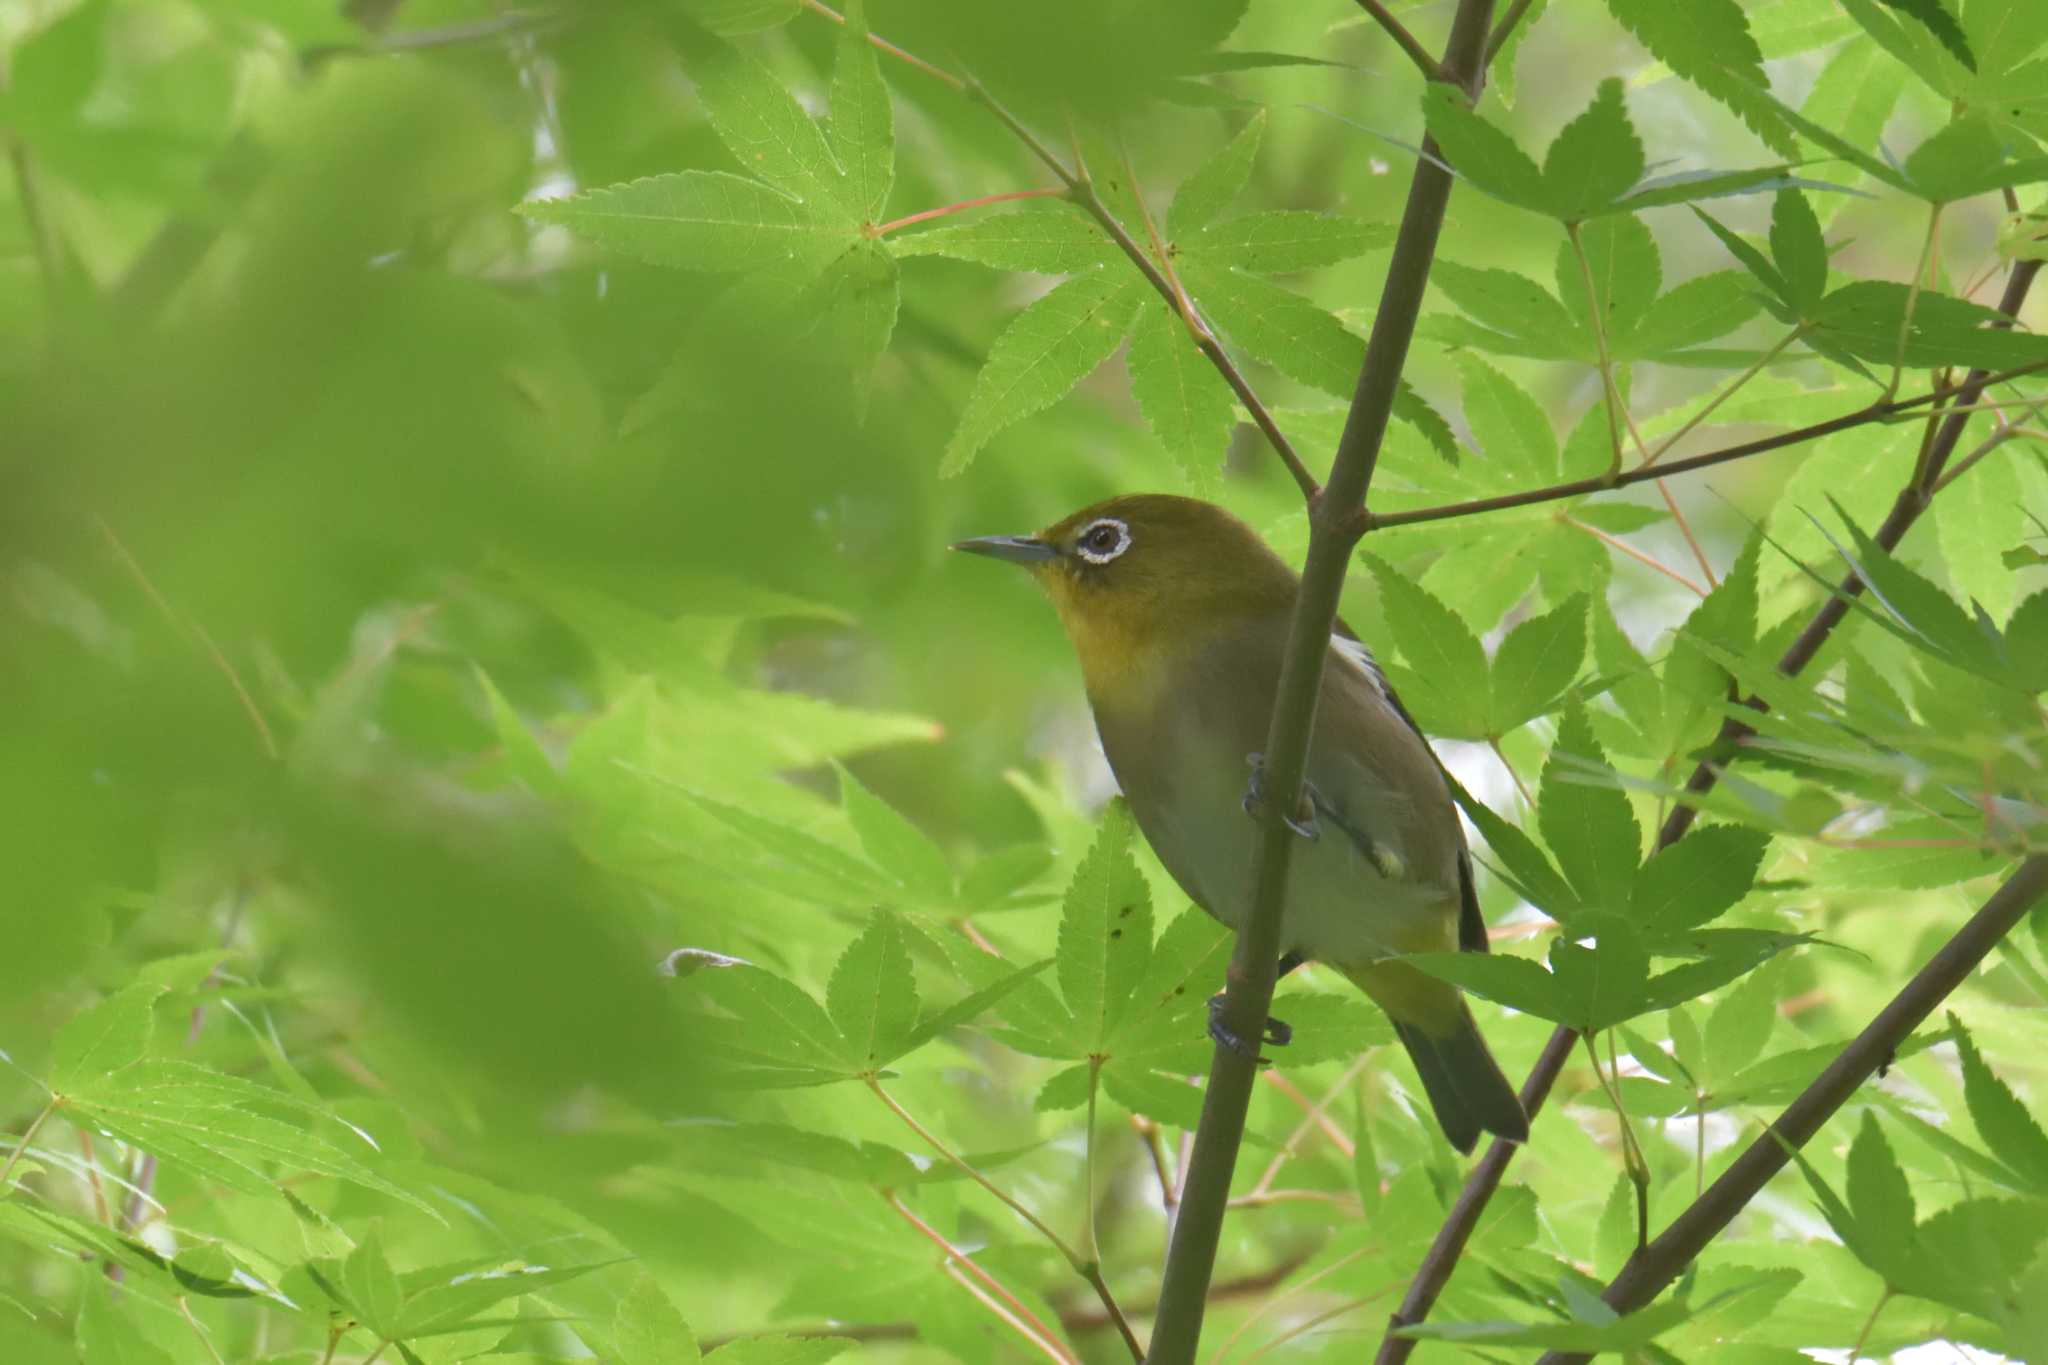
(1464, 1083)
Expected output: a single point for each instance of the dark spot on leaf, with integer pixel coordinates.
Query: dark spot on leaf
(1125, 912)
(1180, 990)
(1116, 933)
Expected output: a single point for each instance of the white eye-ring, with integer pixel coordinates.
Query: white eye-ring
(1102, 540)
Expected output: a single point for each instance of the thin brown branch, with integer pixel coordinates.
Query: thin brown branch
(1876, 412)
(884, 229)
(1087, 1267)
(1648, 561)
(1658, 1264)
(1528, 801)
(884, 46)
(1083, 190)
(1403, 39)
(200, 636)
(1027, 1323)
(1336, 521)
(35, 1126)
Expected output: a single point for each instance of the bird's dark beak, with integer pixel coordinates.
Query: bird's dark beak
(1015, 549)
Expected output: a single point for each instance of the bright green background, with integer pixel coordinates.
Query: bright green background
(434, 615)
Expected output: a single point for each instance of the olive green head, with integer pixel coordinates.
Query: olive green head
(1142, 572)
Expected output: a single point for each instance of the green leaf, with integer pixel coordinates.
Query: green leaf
(1977, 517)
(1167, 1006)
(730, 18)
(862, 130)
(1601, 985)
(1752, 260)
(1514, 982)
(1535, 664)
(1698, 878)
(1697, 311)
(872, 996)
(1879, 1197)
(1588, 825)
(1941, 24)
(2026, 643)
(768, 132)
(371, 1285)
(1740, 1026)
(1536, 879)
(648, 1330)
(1052, 239)
(223, 1126)
(969, 1007)
(99, 1041)
(1411, 407)
(1105, 939)
(1046, 350)
(1216, 186)
(1446, 672)
(778, 1022)
(1968, 158)
(1287, 239)
(105, 1336)
(1687, 187)
(1971, 1252)
(1190, 408)
(892, 843)
(701, 220)
(851, 309)
(1521, 311)
(1930, 616)
(1723, 955)
(1511, 428)
(2007, 1127)
(1279, 327)
(1595, 160)
(1799, 251)
(1626, 273)
(437, 1309)
(780, 1350)
(1482, 153)
(1708, 43)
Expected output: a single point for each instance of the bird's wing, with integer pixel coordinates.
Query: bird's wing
(1361, 755)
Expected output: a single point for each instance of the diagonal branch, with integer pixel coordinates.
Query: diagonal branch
(1442, 1257)
(1082, 191)
(1336, 521)
(1403, 39)
(1578, 488)
(1658, 1264)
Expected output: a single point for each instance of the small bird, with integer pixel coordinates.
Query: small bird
(1179, 613)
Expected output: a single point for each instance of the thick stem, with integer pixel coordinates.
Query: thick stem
(1661, 1262)
(1336, 521)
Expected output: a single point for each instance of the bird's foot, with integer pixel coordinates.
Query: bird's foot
(1277, 1034)
(1302, 822)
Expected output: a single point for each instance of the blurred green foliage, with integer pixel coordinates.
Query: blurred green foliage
(445, 570)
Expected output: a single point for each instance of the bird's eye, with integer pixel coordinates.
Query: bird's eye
(1103, 540)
